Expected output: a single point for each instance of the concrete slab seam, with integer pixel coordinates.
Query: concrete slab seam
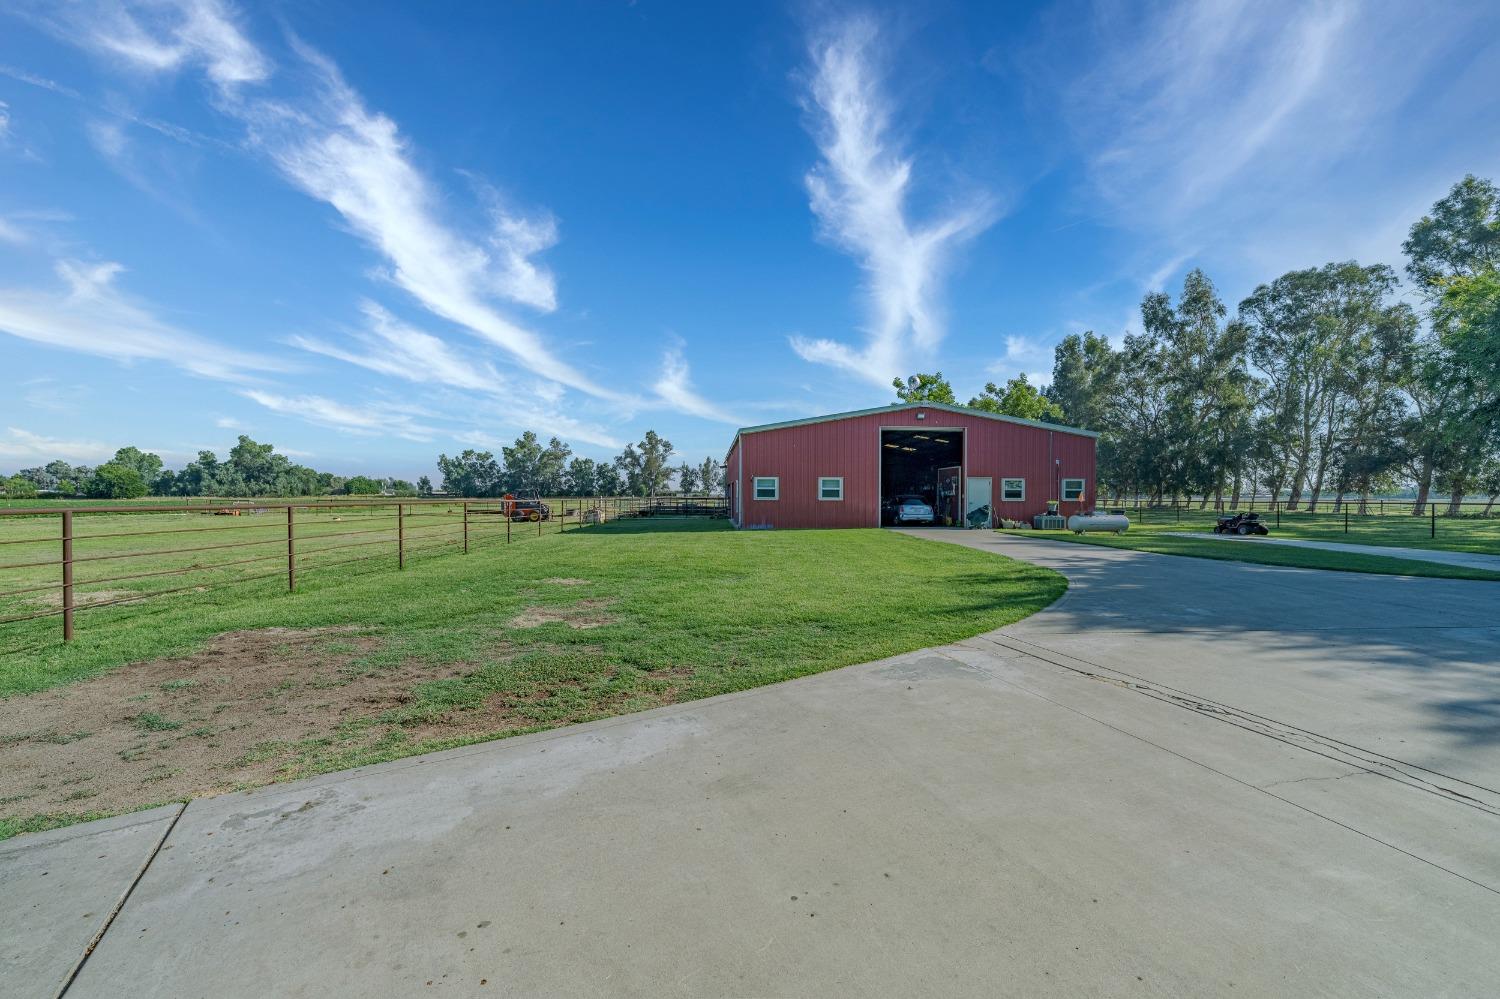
(109, 919)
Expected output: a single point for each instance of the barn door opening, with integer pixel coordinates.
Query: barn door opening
(921, 475)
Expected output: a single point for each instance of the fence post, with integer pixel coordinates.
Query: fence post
(291, 551)
(67, 568)
(539, 523)
(401, 535)
(507, 523)
(466, 528)
(1278, 517)
(1346, 520)
(1433, 532)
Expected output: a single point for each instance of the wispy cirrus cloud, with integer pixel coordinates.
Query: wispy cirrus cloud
(335, 149)
(1024, 355)
(1275, 134)
(674, 386)
(90, 314)
(160, 36)
(398, 349)
(859, 191)
(379, 419)
(330, 145)
(19, 446)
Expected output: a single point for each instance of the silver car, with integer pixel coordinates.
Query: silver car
(913, 510)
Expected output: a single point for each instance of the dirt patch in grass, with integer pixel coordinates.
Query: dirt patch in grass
(228, 716)
(581, 615)
(562, 581)
(81, 598)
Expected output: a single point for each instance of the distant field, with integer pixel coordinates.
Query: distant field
(246, 685)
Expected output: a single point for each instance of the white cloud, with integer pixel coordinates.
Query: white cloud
(164, 36)
(399, 350)
(383, 419)
(675, 388)
(1024, 355)
(37, 81)
(108, 137)
(94, 317)
(402, 351)
(10, 233)
(859, 191)
(21, 447)
(336, 150)
(4, 119)
(228, 423)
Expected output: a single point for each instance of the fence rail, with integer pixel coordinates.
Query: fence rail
(52, 565)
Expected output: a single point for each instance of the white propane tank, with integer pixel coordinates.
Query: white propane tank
(1116, 522)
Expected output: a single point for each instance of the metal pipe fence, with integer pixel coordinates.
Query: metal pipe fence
(52, 566)
(1391, 518)
(1354, 506)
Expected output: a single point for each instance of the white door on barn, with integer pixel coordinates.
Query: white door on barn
(978, 508)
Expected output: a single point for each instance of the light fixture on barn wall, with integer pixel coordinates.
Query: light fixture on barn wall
(921, 415)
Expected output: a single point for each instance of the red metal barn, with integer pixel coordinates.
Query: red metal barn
(844, 470)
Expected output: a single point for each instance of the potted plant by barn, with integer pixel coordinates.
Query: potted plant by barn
(1052, 508)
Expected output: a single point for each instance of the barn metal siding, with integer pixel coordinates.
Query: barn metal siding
(850, 448)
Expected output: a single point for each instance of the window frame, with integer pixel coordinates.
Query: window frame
(1083, 489)
(756, 480)
(1004, 498)
(831, 499)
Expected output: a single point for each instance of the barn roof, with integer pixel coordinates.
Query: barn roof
(897, 406)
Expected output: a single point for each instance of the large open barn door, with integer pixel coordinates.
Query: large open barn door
(913, 461)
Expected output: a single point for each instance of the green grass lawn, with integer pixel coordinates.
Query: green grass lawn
(554, 630)
(1166, 538)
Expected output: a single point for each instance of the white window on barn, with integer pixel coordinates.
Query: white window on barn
(767, 487)
(1072, 490)
(831, 488)
(1012, 490)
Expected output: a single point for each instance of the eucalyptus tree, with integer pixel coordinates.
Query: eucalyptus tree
(1454, 258)
(582, 478)
(1085, 386)
(710, 476)
(1207, 388)
(1322, 338)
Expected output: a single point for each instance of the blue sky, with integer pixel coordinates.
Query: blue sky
(373, 232)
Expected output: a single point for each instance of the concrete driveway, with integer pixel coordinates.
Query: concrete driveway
(1187, 778)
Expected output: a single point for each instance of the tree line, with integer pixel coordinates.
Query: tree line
(531, 468)
(253, 469)
(527, 468)
(1328, 383)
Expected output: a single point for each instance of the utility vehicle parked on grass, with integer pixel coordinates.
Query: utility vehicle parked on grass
(1240, 523)
(527, 509)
